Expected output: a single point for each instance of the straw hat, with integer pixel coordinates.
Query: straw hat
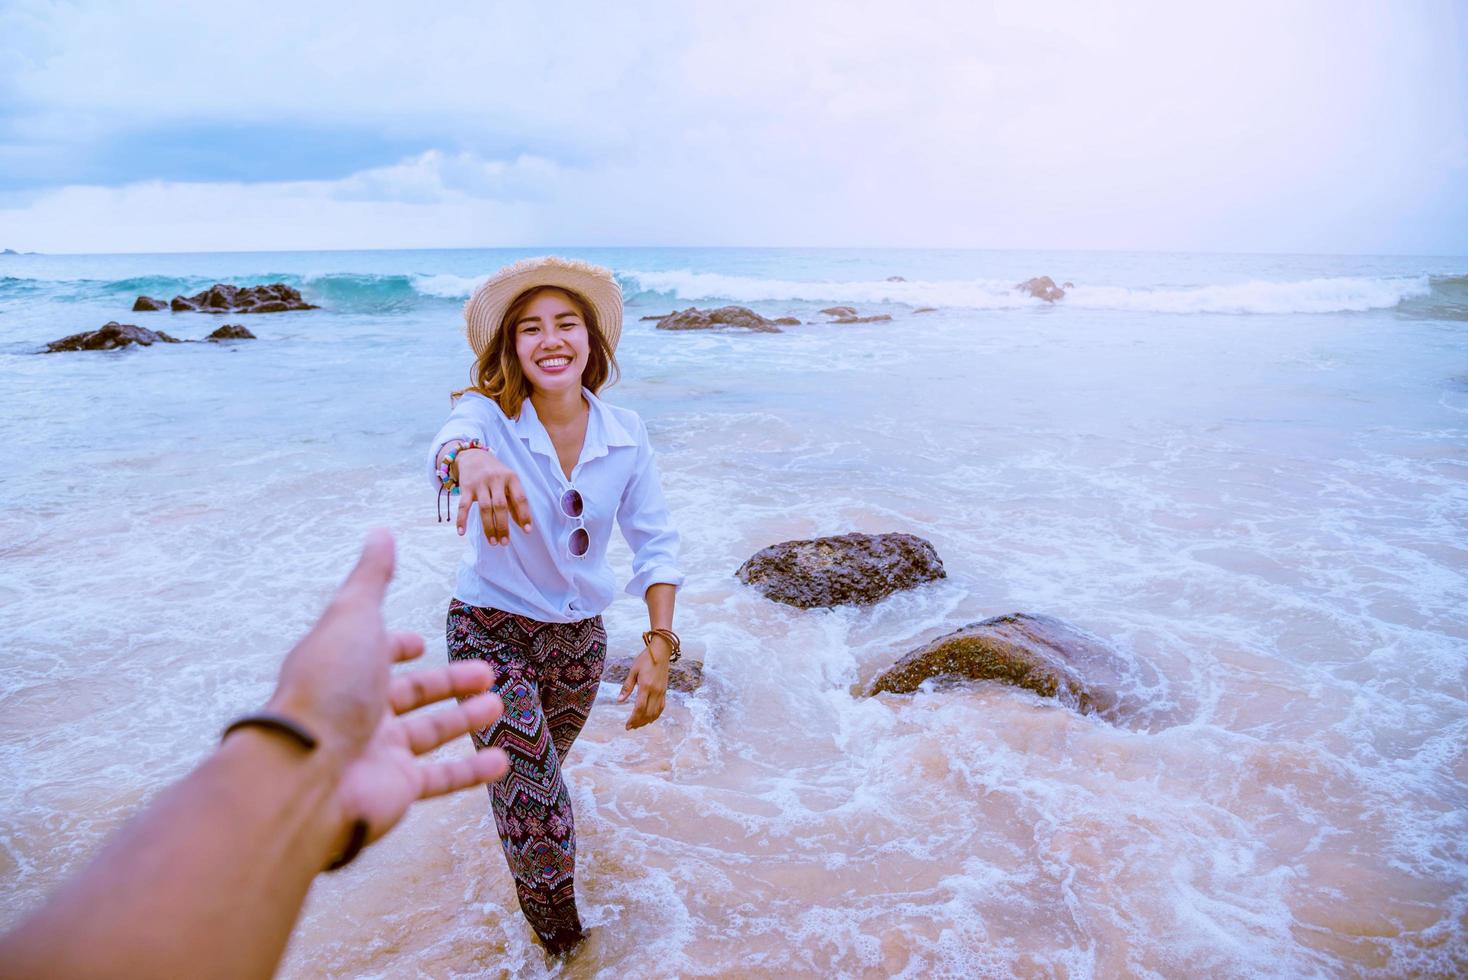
(486, 308)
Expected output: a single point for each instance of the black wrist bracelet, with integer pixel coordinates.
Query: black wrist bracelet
(355, 844)
(273, 723)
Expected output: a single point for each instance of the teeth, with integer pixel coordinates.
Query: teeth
(550, 362)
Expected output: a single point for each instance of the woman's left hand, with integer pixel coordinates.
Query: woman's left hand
(649, 675)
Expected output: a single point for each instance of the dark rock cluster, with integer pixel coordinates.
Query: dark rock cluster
(848, 314)
(847, 569)
(114, 335)
(725, 316)
(684, 674)
(276, 297)
(1039, 653)
(111, 336)
(1042, 287)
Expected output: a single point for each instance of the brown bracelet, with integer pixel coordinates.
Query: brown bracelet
(279, 724)
(297, 733)
(668, 635)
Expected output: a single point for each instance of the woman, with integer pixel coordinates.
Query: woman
(549, 465)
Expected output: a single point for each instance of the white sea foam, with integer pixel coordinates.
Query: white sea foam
(1326, 295)
(445, 285)
(1230, 507)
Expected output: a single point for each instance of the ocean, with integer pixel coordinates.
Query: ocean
(1248, 473)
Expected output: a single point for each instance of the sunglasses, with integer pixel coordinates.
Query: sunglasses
(580, 541)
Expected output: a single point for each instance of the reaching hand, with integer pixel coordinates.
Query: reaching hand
(649, 676)
(483, 479)
(385, 779)
(337, 682)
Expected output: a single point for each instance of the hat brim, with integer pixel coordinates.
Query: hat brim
(486, 308)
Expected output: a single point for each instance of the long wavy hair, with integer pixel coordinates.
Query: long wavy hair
(496, 373)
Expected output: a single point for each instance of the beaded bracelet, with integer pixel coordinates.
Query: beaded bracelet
(447, 485)
(668, 635)
(447, 459)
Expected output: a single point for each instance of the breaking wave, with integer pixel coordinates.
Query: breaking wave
(1442, 297)
(1330, 295)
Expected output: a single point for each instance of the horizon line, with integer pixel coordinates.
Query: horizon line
(16, 253)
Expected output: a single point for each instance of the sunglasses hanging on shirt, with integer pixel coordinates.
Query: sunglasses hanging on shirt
(580, 541)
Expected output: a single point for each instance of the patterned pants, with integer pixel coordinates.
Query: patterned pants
(547, 675)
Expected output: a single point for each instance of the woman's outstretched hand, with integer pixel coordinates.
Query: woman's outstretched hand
(649, 675)
(485, 480)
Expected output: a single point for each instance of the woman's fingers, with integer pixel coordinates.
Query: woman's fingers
(487, 515)
(519, 503)
(501, 511)
(466, 497)
(460, 679)
(639, 712)
(429, 731)
(485, 766)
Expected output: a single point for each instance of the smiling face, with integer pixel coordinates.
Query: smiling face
(551, 342)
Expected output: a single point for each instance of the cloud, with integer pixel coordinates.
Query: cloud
(435, 176)
(357, 212)
(1304, 127)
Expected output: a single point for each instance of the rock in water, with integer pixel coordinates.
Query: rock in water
(684, 674)
(839, 311)
(1039, 653)
(111, 336)
(926, 309)
(863, 319)
(1041, 287)
(276, 297)
(147, 304)
(231, 331)
(787, 321)
(848, 569)
(724, 316)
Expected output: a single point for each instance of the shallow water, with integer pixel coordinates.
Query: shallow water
(1247, 473)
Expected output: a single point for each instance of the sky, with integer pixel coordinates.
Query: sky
(1318, 127)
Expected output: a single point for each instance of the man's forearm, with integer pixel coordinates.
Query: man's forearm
(178, 862)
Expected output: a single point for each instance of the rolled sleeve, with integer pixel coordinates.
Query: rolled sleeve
(645, 523)
(464, 423)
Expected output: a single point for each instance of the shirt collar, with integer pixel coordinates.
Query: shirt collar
(603, 430)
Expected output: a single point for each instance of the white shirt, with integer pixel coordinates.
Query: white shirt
(617, 476)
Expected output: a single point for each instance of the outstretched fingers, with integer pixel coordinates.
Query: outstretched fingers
(519, 503)
(367, 582)
(428, 731)
(405, 645)
(484, 766)
(460, 679)
(500, 510)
